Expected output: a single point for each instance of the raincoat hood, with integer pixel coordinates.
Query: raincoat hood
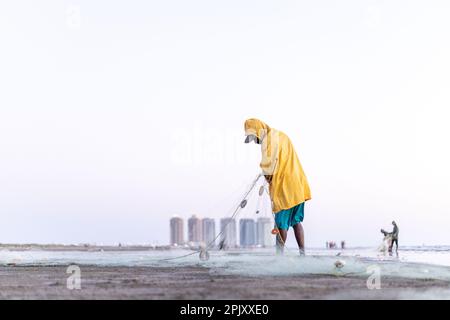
(289, 186)
(256, 127)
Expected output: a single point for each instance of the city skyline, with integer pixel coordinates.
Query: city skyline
(202, 231)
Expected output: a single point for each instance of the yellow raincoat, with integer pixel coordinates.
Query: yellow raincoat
(289, 186)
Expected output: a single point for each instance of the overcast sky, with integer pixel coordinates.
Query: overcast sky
(116, 115)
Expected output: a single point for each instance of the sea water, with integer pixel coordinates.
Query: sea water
(411, 262)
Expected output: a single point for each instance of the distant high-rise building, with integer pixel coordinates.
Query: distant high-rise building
(176, 231)
(228, 236)
(264, 236)
(209, 231)
(247, 232)
(195, 229)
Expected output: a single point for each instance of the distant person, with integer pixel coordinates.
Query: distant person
(342, 244)
(391, 238)
(394, 235)
(288, 186)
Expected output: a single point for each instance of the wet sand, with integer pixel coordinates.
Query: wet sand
(49, 282)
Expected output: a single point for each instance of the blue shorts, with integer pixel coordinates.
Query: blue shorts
(290, 217)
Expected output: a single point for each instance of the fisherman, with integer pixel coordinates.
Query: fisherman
(288, 186)
(392, 237)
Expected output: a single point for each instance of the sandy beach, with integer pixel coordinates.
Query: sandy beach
(49, 282)
(40, 272)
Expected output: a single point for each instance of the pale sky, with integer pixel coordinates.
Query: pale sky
(116, 115)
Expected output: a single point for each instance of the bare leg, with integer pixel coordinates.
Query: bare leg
(300, 236)
(282, 241)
